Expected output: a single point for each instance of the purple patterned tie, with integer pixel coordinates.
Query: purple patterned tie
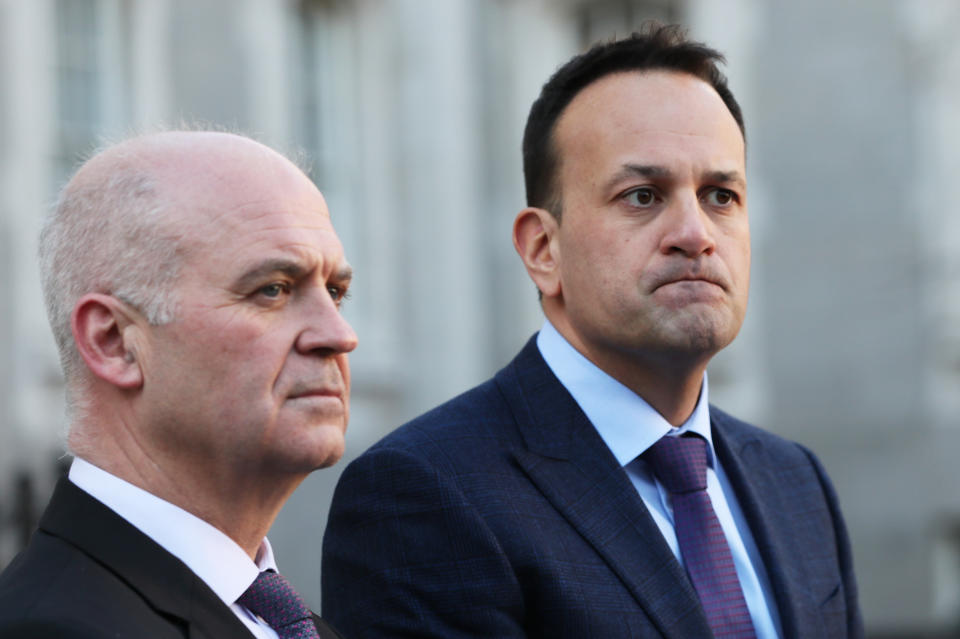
(681, 465)
(273, 599)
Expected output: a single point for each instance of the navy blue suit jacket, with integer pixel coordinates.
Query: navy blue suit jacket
(502, 513)
(88, 573)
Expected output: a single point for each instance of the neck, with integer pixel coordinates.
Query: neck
(669, 381)
(242, 506)
(675, 399)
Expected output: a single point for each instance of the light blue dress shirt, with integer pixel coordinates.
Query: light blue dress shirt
(629, 425)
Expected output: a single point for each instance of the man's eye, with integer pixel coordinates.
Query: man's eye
(641, 198)
(274, 290)
(338, 295)
(720, 197)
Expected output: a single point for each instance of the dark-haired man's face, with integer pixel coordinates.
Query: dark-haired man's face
(653, 250)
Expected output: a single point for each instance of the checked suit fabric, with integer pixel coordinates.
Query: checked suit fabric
(681, 465)
(503, 513)
(274, 600)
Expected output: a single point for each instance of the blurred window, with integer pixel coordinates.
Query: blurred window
(326, 99)
(946, 574)
(91, 77)
(328, 113)
(340, 103)
(604, 19)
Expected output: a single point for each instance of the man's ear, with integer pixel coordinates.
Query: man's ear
(535, 239)
(103, 330)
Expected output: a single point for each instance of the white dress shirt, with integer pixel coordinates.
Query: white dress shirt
(210, 554)
(629, 425)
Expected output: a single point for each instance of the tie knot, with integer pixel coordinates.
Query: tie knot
(680, 463)
(272, 598)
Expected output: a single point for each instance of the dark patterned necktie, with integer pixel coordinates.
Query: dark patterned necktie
(273, 599)
(681, 465)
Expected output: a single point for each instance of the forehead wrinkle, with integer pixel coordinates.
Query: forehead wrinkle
(208, 229)
(297, 260)
(709, 133)
(241, 195)
(254, 210)
(267, 205)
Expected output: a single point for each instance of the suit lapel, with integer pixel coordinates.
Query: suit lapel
(145, 566)
(325, 630)
(773, 525)
(570, 464)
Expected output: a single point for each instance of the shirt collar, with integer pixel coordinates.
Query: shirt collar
(625, 422)
(208, 552)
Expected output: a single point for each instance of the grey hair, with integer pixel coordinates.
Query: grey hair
(107, 234)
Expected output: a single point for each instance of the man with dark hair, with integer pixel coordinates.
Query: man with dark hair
(663, 49)
(589, 489)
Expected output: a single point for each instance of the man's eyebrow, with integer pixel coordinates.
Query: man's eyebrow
(662, 172)
(343, 275)
(638, 170)
(258, 272)
(725, 177)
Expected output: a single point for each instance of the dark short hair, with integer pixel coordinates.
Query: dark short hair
(656, 47)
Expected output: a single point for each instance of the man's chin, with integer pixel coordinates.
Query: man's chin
(694, 331)
(330, 450)
(309, 446)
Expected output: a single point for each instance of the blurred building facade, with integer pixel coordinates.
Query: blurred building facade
(410, 114)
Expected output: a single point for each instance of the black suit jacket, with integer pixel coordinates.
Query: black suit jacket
(502, 513)
(88, 573)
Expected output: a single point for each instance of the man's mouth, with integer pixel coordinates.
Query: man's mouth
(692, 280)
(300, 391)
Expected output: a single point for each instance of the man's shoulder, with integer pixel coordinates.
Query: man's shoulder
(719, 417)
(40, 575)
(740, 431)
(65, 628)
(54, 589)
(89, 567)
(481, 412)
(488, 410)
(743, 437)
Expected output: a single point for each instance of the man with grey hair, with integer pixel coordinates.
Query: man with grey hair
(193, 282)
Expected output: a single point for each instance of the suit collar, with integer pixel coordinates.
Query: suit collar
(624, 420)
(757, 481)
(325, 630)
(577, 473)
(162, 579)
(208, 552)
(570, 464)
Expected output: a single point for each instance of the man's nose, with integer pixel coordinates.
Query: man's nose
(326, 328)
(688, 228)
